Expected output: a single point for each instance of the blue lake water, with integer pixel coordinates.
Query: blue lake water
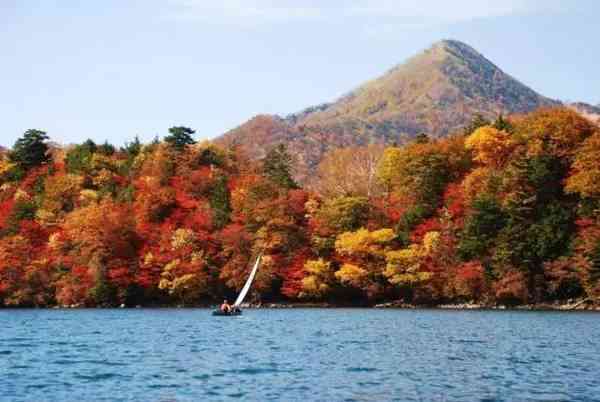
(298, 355)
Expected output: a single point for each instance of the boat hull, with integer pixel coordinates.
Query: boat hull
(220, 313)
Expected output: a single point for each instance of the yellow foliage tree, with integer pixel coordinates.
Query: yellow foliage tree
(87, 197)
(349, 243)
(431, 240)
(554, 131)
(491, 147)
(5, 167)
(185, 281)
(352, 275)
(364, 252)
(387, 170)
(317, 283)
(363, 242)
(585, 176)
(182, 238)
(382, 236)
(404, 266)
(61, 192)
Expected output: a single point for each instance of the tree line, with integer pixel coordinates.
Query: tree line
(507, 211)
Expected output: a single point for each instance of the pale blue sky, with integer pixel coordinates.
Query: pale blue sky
(112, 69)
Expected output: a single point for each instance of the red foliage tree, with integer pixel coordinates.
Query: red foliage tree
(470, 280)
(428, 225)
(293, 273)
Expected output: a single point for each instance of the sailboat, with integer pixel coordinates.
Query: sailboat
(235, 309)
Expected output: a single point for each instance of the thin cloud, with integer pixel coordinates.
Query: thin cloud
(245, 12)
(446, 11)
(424, 12)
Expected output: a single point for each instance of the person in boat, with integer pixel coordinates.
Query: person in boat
(225, 307)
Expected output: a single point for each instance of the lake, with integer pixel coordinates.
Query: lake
(298, 355)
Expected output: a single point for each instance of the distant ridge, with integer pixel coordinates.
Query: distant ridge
(435, 92)
(587, 110)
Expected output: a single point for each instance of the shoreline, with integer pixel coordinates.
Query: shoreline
(579, 305)
(570, 305)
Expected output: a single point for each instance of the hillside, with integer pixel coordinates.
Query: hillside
(435, 92)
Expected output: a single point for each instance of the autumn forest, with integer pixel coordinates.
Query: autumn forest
(503, 212)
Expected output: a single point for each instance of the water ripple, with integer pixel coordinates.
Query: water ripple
(298, 355)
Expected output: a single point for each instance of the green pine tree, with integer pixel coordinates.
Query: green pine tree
(277, 166)
(220, 203)
(180, 137)
(30, 150)
(477, 121)
(502, 124)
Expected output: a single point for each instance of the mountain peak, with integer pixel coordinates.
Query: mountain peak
(462, 51)
(453, 44)
(447, 48)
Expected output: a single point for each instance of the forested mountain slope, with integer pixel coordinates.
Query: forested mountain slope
(435, 92)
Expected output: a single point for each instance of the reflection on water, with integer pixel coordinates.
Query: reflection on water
(298, 355)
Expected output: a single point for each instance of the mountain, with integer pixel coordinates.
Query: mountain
(432, 92)
(435, 92)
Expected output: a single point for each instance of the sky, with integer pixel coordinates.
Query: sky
(109, 70)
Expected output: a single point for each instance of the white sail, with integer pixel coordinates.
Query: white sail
(248, 283)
